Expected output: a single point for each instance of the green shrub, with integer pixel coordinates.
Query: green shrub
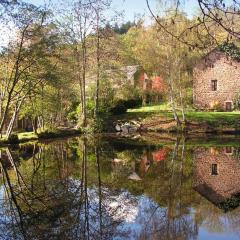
(47, 134)
(59, 133)
(216, 106)
(237, 101)
(119, 108)
(13, 138)
(230, 203)
(94, 126)
(133, 103)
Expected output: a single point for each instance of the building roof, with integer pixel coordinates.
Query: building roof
(220, 53)
(131, 70)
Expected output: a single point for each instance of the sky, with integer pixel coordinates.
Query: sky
(131, 8)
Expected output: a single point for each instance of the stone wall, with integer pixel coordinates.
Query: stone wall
(215, 66)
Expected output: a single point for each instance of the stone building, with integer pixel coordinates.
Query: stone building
(152, 87)
(216, 173)
(216, 82)
(137, 76)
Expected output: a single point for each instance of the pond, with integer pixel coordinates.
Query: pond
(144, 187)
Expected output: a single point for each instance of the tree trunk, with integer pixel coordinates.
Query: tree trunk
(4, 115)
(96, 110)
(13, 119)
(34, 125)
(10, 126)
(79, 79)
(181, 96)
(84, 85)
(175, 115)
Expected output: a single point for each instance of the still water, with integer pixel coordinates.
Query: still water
(115, 188)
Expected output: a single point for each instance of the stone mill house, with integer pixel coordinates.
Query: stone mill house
(216, 82)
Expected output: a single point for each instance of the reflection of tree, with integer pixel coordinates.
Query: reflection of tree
(57, 205)
(177, 222)
(168, 182)
(15, 212)
(66, 190)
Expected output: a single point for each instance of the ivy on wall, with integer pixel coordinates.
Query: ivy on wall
(231, 50)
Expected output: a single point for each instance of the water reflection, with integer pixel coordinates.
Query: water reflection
(217, 173)
(101, 189)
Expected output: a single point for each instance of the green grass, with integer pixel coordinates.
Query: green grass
(31, 136)
(27, 135)
(151, 108)
(23, 137)
(165, 110)
(211, 116)
(199, 121)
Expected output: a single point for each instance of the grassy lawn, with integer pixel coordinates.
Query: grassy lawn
(164, 111)
(151, 108)
(31, 136)
(214, 116)
(27, 135)
(24, 136)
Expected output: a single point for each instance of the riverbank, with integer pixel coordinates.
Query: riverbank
(31, 136)
(152, 119)
(160, 119)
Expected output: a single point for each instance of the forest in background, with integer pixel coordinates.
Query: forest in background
(63, 64)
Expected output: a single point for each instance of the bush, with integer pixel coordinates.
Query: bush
(237, 101)
(47, 134)
(230, 203)
(59, 133)
(95, 126)
(13, 138)
(215, 106)
(122, 106)
(119, 108)
(132, 103)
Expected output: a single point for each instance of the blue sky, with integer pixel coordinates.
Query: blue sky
(133, 7)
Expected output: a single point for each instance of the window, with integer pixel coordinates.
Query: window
(229, 150)
(214, 85)
(214, 169)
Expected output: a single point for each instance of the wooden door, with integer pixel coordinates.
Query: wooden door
(228, 106)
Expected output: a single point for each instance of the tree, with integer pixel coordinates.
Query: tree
(169, 59)
(217, 19)
(123, 29)
(86, 33)
(24, 59)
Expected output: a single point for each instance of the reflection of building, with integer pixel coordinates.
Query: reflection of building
(216, 173)
(152, 156)
(160, 155)
(145, 162)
